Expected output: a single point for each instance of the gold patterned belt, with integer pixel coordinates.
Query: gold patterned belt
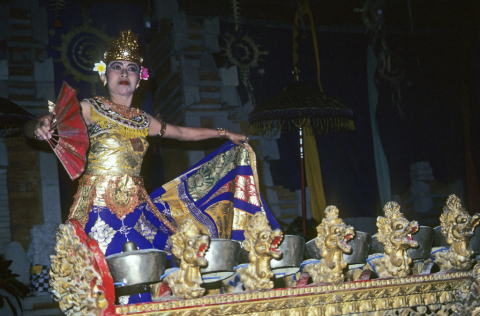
(120, 193)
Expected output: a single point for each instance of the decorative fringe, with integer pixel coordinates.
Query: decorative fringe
(107, 123)
(321, 125)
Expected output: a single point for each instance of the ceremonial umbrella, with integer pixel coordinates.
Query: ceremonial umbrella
(300, 105)
(297, 105)
(12, 117)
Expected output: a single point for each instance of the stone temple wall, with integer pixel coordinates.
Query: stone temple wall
(29, 188)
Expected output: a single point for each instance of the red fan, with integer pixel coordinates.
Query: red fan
(71, 143)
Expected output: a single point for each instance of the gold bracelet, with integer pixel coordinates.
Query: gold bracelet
(163, 128)
(222, 132)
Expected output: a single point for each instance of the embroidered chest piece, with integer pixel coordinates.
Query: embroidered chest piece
(107, 115)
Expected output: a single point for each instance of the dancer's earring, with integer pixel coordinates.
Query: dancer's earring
(104, 82)
(138, 85)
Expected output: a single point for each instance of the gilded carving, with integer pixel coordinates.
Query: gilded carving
(332, 238)
(457, 227)
(188, 245)
(261, 242)
(476, 311)
(395, 233)
(415, 295)
(74, 275)
(451, 293)
(291, 280)
(467, 295)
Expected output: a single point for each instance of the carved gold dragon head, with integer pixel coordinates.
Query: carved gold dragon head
(395, 233)
(260, 237)
(332, 238)
(261, 242)
(189, 244)
(394, 230)
(333, 233)
(457, 224)
(457, 227)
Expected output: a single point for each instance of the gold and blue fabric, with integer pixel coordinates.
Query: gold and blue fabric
(220, 193)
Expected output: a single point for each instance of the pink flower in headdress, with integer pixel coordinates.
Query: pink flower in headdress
(144, 73)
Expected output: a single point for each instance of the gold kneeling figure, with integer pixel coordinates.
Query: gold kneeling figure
(332, 238)
(188, 245)
(457, 227)
(261, 242)
(395, 233)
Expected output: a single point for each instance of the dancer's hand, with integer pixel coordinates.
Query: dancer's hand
(42, 129)
(237, 139)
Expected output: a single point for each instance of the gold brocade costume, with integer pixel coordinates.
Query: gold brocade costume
(117, 146)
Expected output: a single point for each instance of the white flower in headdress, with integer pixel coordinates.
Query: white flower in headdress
(100, 67)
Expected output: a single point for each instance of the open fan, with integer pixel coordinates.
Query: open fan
(71, 143)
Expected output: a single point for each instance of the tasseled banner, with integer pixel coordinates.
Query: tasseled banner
(107, 123)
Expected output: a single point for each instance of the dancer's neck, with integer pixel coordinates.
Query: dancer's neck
(121, 99)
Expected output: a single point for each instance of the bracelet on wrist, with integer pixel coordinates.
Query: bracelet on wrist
(222, 133)
(163, 128)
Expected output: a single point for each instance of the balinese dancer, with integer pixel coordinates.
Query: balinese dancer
(111, 203)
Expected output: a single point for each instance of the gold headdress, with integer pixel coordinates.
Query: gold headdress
(124, 48)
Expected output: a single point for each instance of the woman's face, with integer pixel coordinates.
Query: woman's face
(122, 77)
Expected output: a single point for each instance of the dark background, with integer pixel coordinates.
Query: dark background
(436, 41)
